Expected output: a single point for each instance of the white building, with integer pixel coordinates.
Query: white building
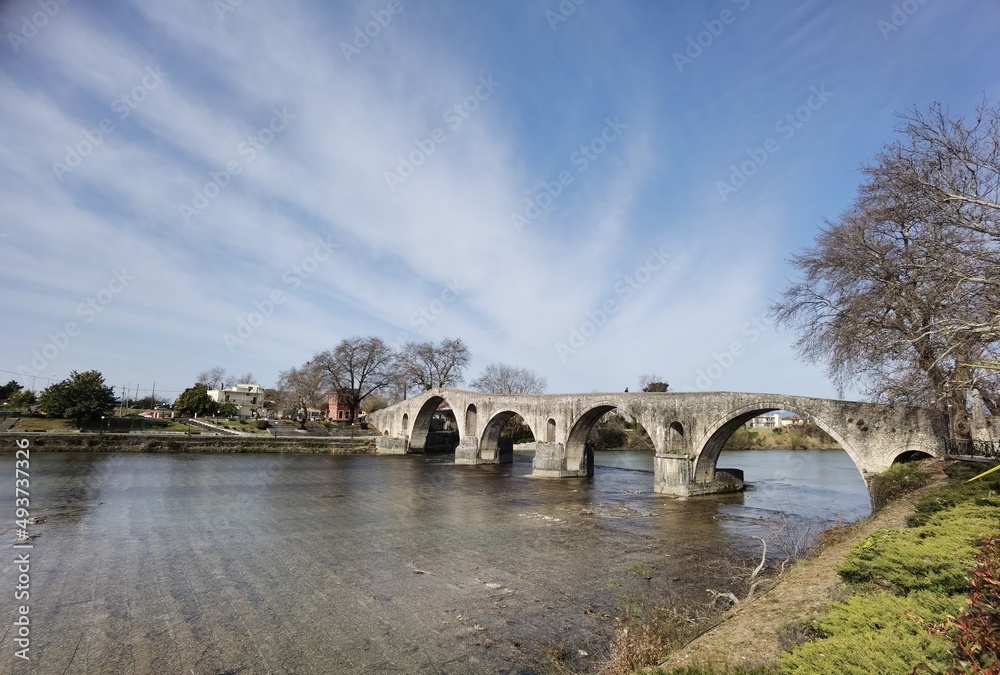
(772, 421)
(248, 399)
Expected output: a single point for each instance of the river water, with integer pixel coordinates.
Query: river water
(360, 564)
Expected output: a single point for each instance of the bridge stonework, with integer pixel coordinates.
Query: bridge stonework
(688, 430)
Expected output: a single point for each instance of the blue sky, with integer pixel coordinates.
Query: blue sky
(594, 191)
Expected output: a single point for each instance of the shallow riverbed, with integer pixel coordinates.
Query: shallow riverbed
(357, 564)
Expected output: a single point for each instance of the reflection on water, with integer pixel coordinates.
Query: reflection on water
(802, 491)
(276, 563)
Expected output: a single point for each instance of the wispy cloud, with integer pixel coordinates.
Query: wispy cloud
(196, 190)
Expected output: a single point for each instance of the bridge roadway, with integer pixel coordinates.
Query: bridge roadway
(688, 430)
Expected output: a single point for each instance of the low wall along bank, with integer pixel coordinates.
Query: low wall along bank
(50, 442)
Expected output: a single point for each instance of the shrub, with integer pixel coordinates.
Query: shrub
(985, 492)
(977, 630)
(699, 669)
(877, 633)
(743, 439)
(263, 424)
(895, 482)
(937, 556)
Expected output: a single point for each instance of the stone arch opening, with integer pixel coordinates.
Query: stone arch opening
(719, 433)
(603, 427)
(502, 432)
(470, 420)
(434, 427)
(406, 423)
(550, 431)
(675, 439)
(911, 456)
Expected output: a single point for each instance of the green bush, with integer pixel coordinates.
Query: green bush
(976, 632)
(877, 633)
(984, 492)
(743, 439)
(898, 480)
(716, 670)
(936, 556)
(263, 424)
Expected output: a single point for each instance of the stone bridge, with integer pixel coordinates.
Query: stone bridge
(688, 430)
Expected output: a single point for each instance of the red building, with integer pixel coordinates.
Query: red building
(336, 409)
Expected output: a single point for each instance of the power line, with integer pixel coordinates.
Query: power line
(138, 388)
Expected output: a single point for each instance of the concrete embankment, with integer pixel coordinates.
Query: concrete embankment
(324, 445)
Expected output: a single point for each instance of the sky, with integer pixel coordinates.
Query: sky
(591, 190)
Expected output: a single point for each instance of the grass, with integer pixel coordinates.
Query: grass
(248, 427)
(43, 424)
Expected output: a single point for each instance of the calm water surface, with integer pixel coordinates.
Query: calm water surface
(358, 564)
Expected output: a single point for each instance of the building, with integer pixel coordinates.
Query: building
(793, 421)
(248, 399)
(336, 409)
(771, 421)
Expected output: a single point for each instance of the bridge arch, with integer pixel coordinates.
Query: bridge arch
(717, 435)
(576, 441)
(490, 447)
(421, 426)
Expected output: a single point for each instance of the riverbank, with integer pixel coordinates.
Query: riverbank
(891, 566)
(790, 438)
(195, 443)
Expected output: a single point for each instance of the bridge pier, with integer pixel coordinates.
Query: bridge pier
(550, 462)
(386, 445)
(674, 475)
(467, 451)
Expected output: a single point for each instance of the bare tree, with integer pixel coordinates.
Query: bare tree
(901, 292)
(653, 383)
(373, 403)
(501, 378)
(302, 388)
(356, 368)
(430, 366)
(214, 378)
(246, 378)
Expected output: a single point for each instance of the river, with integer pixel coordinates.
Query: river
(359, 564)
